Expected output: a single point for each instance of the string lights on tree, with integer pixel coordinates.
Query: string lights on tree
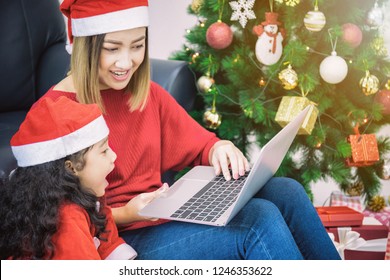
(257, 61)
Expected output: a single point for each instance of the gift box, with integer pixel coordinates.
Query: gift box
(387, 256)
(383, 216)
(290, 107)
(338, 198)
(366, 242)
(337, 216)
(364, 150)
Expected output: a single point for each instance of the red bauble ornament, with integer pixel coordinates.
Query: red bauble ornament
(219, 35)
(352, 34)
(383, 97)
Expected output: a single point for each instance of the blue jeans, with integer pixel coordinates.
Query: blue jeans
(280, 222)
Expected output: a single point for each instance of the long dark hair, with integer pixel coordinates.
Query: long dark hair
(30, 199)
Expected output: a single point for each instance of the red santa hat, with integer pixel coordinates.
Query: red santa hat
(93, 17)
(56, 129)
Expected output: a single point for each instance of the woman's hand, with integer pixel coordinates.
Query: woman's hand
(224, 154)
(129, 212)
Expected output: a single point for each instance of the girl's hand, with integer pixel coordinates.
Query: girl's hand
(224, 154)
(132, 208)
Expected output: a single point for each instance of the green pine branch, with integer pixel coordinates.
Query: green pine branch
(248, 108)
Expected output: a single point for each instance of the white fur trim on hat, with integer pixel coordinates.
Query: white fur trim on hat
(45, 151)
(110, 22)
(69, 47)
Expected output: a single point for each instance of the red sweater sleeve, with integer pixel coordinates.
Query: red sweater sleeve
(114, 247)
(73, 240)
(184, 141)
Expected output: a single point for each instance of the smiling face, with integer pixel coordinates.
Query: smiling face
(271, 28)
(99, 162)
(122, 54)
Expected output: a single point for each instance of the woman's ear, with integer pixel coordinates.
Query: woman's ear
(69, 166)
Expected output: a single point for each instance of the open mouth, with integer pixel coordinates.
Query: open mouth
(119, 73)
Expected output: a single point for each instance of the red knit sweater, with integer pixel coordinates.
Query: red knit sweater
(162, 137)
(75, 239)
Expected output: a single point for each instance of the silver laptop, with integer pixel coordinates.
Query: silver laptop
(201, 197)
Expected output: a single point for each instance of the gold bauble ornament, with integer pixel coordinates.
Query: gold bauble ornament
(378, 45)
(196, 5)
(377, 203)
(355, 189)
(369, 84)
(289, 78)
(292, 3)
(212, 119)
(262, 82)
(205, 83)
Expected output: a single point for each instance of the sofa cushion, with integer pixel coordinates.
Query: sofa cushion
(9, 124)
(26, 32)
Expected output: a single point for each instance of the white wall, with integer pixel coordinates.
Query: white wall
(168, 23)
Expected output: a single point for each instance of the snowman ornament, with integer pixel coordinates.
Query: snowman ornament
(269, 46)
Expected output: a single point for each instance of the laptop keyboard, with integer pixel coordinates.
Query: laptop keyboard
(212, 200)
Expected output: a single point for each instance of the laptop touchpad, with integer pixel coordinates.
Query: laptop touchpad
(200, 173)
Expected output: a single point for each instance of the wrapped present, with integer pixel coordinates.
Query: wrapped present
(290, 107)
(338, 198)
(383, 216)
(366, 242)
(387, 256)
(338, 216)
(364, 149)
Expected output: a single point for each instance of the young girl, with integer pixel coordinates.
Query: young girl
(152, 134)
(52, 205)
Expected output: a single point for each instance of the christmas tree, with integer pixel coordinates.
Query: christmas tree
(258, 63)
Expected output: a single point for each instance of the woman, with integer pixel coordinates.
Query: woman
(151, 134)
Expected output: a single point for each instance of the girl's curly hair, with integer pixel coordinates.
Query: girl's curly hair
(30, 199)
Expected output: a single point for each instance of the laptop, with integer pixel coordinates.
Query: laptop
(201, 197)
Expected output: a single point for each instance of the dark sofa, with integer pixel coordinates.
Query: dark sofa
(33, 58)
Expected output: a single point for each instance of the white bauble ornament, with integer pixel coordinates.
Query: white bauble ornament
(333, 69)
(205, 83)
(314, 20)
(375, 16)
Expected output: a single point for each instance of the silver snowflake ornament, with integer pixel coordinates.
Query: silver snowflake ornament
(242, 11)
